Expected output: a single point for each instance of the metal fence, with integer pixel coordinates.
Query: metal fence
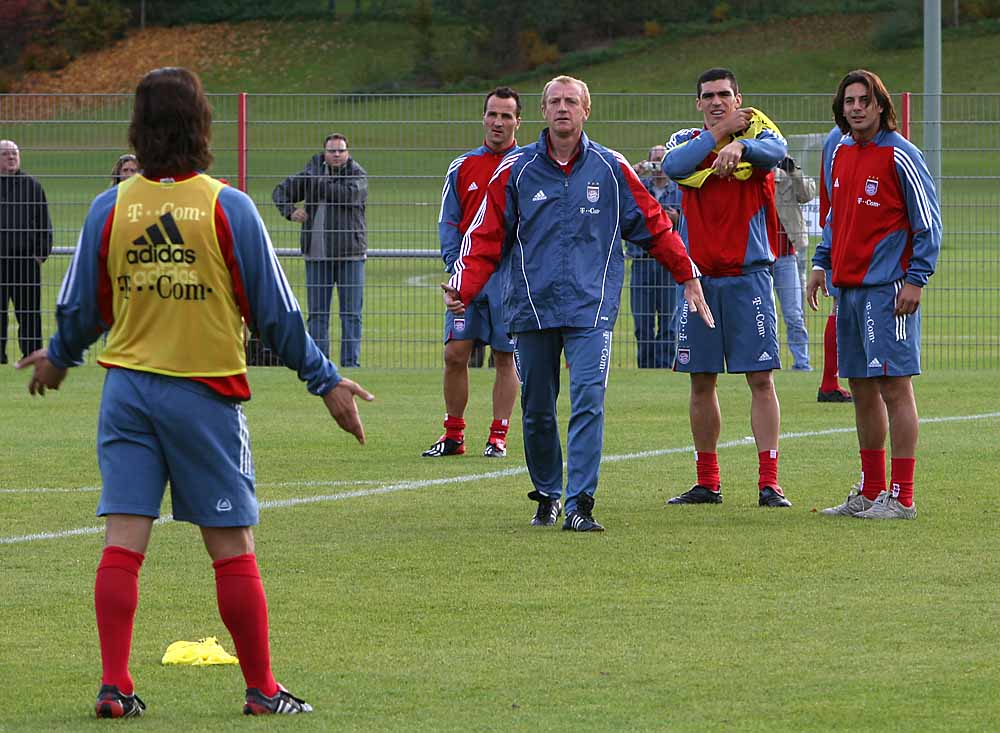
(405, 142)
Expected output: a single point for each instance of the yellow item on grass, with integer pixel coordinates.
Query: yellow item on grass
(198, 653)
(758, 122)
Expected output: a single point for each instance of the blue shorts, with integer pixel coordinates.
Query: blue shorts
(153, 429)
(871, 341)
(482, 321)
(745, 337)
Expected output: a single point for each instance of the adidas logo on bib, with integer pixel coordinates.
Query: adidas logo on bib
(540, 196)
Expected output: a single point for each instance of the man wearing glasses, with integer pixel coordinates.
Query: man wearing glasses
(328, 199)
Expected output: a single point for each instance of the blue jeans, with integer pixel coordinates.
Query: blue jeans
(653, 295)
(788, 286)
(349, 277)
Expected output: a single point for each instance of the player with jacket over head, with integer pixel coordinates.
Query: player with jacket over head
(554, 215)
(725, 171)
(881, 241)
(171, 264)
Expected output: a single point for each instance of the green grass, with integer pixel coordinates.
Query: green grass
(438, 608)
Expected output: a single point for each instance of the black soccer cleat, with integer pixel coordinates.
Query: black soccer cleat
(445, 447)
(548, 510)
(698, 494)
(495, 448)
(113, 704)
(834, 395)
(582, 519)
(283, 703)
(772, 496)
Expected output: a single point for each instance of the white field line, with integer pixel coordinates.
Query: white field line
(414, 485)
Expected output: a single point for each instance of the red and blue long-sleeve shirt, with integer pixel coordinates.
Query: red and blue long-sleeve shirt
(732, 225)
(884, 222)
(559, 229)
(172, 269)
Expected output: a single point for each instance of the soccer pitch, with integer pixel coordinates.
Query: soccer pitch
(411, 594)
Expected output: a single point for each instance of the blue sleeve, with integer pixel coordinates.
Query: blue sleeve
(766, 150)
(274, 311)
(685, 150)
(821, 255)
(923, 210)
(450, 218)
(78, 313)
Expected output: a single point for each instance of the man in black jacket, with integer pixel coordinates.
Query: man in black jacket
(25, 243)
(334, 240)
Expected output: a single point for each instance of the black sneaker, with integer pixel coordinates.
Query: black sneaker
(548, 510)
(834, 395)
(582, 519)
(283, 703)
(113, 704)
(495, 448)
(698, 494)
(445, 447)
(772, 496)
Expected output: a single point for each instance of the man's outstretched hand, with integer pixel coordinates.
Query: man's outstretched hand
(340, 402)
(45, 375)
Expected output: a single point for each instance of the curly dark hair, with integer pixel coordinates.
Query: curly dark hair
(171, 123)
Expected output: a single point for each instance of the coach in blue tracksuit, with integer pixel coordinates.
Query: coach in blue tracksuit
(556, 212)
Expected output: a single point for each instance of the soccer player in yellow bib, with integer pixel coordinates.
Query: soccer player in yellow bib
(171, 264)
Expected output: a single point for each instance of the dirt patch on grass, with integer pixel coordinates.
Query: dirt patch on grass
(119, 67)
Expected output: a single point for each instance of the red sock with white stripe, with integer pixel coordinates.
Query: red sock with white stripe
(830, 382)
(116, 596)
(902, 479)
(498, 431)
(707, 466)
(873, 473)
(767, 470)
(243, 608)
(454, 428)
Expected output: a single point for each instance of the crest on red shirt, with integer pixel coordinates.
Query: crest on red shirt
(871, 187)
(593, 192)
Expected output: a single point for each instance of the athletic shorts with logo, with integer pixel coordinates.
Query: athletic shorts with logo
(482, 321)
(745, 337)
(153, 429)
(871, 341)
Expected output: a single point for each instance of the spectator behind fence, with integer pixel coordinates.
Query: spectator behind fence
(552, 218)
(881, 240)
(171, 403)
(482, 323)
(791, 190)
(334, 240)
(724, 169)
(125, 167)
(25, 243)
(652, 292)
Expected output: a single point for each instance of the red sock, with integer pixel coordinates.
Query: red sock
(873, 473)
(707, 466)
(498, 430)
(830, 383)
(767, 463)
(902, 479)
(243, 608)
(116, 596)
(454, 428)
